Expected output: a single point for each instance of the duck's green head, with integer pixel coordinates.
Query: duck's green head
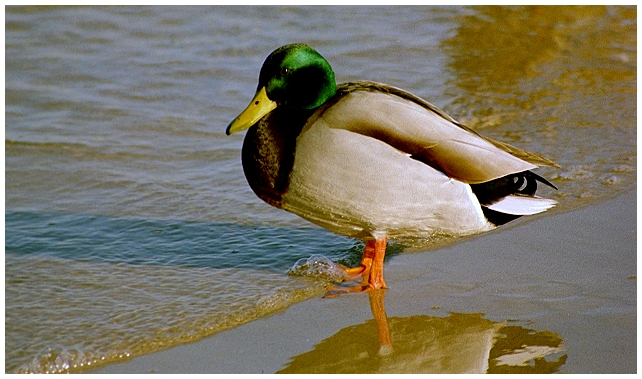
(294, 76)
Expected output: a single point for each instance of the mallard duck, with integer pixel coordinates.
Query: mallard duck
(374, 162)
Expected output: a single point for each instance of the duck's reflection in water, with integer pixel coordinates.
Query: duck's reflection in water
(459, 343)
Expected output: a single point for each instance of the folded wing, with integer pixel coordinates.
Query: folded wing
(424, 132)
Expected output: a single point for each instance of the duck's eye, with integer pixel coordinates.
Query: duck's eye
(285, 71)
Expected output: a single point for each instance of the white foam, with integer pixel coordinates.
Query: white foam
(318, 266)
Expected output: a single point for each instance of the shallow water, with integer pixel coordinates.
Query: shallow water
(129, 225)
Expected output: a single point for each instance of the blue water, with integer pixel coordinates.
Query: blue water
(106, 239)
(76, 262)
(129, 226)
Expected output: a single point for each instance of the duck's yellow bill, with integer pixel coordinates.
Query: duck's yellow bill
(259, 107)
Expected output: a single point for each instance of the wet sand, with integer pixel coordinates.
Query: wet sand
(550, 293)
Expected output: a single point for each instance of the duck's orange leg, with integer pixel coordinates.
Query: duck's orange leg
(366, 262)
(371, 269)
(375, 279)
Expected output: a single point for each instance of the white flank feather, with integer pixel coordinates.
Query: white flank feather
(522, 205)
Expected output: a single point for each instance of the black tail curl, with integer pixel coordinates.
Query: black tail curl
(522, 183)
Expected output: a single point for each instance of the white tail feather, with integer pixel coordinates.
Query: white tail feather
(522, 205)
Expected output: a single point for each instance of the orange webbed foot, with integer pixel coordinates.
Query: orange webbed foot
(353, 274)
(371, 270)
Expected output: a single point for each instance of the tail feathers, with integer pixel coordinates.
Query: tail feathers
(522, 205)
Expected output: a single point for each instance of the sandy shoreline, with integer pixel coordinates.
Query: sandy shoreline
(563, 285)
